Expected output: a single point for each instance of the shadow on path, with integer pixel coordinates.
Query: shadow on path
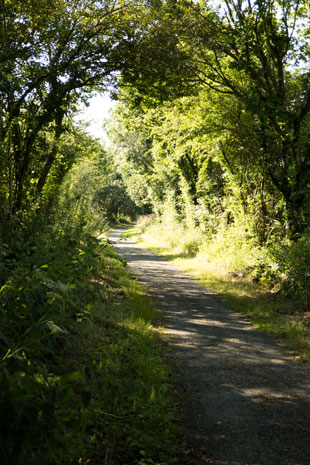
(245, 401)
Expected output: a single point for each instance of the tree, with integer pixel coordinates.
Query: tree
(256, 52)
(129, 131)
(92, 192)
(53, 55)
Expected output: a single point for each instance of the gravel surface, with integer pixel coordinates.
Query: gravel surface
(244, 400)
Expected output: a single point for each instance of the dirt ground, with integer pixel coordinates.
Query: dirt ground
(243, 399)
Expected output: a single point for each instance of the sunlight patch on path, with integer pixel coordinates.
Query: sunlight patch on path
(244, 400)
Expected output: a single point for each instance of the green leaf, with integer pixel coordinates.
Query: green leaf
(153, 394)
(3, 287)
(74, 376)
(54, 329)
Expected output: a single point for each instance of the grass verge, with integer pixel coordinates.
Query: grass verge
(138, 413)
(134, 410)
(279, 316)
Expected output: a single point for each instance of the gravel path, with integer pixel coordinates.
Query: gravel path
(244, 400)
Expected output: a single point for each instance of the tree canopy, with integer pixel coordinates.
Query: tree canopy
(211, 133)
(255, 55)
(53, 54)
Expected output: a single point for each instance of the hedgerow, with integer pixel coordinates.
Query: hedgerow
(81, 378)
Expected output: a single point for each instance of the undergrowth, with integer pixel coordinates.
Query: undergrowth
(81, 377)
(269, 286)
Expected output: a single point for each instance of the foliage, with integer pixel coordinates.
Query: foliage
(81, 377)
(297, 265)
(289, 266)
(54, 55)
(211, 134)
(39, 300)
(227, 266)
(97, 192)
(190, 148)
(252, 58)
(80, 373)
(231, 247)
(222, 155)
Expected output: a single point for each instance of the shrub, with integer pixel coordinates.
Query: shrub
(295, 262)
(43, 293)
(81, 380)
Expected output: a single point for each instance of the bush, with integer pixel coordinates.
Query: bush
(294, 260)
(232, 246)
(43, 292)
(81, 380)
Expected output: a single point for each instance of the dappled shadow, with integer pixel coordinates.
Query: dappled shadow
(245, 401)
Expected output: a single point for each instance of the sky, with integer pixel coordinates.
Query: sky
(95, 113)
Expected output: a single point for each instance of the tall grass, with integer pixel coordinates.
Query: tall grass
(231, 247)
(268, 285)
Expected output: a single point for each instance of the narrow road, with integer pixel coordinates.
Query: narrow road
(244, 400)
